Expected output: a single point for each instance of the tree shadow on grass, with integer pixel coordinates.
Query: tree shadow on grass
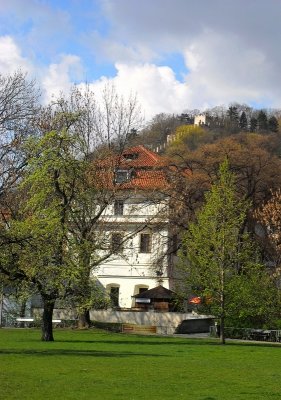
(140, 341)
(255, 343)
(72, 352)
(188, 342)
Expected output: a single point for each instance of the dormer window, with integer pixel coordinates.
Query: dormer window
(123, 175)
(130, 156)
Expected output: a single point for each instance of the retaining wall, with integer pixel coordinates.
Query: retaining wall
(166, 322)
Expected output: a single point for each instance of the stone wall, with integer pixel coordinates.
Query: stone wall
(166, 322)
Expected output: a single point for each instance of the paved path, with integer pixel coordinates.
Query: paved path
(207, 336)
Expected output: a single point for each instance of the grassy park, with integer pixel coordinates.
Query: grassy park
(99, 365)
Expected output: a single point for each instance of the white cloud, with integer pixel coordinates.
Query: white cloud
(59, 77)
(222, 70)
(156, 87)
(117, 51)
(38, 25)
(230, 48)
(11, 58)
(227, 54)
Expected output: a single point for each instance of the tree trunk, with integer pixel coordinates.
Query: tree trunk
(222, 337)
(84, 319)
(47, 325)
(222, 303)
(22, 312)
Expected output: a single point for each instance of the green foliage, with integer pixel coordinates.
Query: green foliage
(253, 124)
(233, 119)
(86, 294)
(262, 121)
(221, 262)
(243, 122)
(52, 171)
(254, 299)
(50, 179)
(187, 137)
(273, 125)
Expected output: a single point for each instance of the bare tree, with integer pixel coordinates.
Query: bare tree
(18, 109)
(106, 122)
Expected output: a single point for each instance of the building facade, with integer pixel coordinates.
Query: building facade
(137, 226)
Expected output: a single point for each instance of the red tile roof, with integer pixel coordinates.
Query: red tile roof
(146, 166)
(146, 179)
(145, 157)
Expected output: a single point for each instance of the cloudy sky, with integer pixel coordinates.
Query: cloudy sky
(175, 54)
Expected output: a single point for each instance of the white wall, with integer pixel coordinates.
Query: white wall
(132, 268)
(128, 286)
(200, 119)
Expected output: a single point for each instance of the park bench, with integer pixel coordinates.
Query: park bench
(29, 321)
(24, 321)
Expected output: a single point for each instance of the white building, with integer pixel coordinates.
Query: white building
(200, 119)
(138, 229)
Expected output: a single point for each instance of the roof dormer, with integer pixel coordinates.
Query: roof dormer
(124, 175)
(130, 156)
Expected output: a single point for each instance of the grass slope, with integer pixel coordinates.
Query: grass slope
(99, 365)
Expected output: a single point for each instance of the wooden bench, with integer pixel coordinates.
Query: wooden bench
(142, 329)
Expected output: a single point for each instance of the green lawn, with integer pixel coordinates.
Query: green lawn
(99, 365)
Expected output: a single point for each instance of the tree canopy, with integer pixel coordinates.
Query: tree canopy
(218, 258)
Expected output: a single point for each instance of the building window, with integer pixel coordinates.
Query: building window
(130, 156)
(145, 243)
(116, 243)
(142, 289)
(122, 175)
(114, 296)
(118, 207)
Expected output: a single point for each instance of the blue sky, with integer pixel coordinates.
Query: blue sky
(174, 54)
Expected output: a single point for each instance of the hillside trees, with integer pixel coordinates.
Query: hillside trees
(156, 131)
(188, 137)
(243, 122)
(241, 117)
(273, 125)
(253, 124)
(262, 121)
(233, 119)
(251, 157)
(269, 216)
